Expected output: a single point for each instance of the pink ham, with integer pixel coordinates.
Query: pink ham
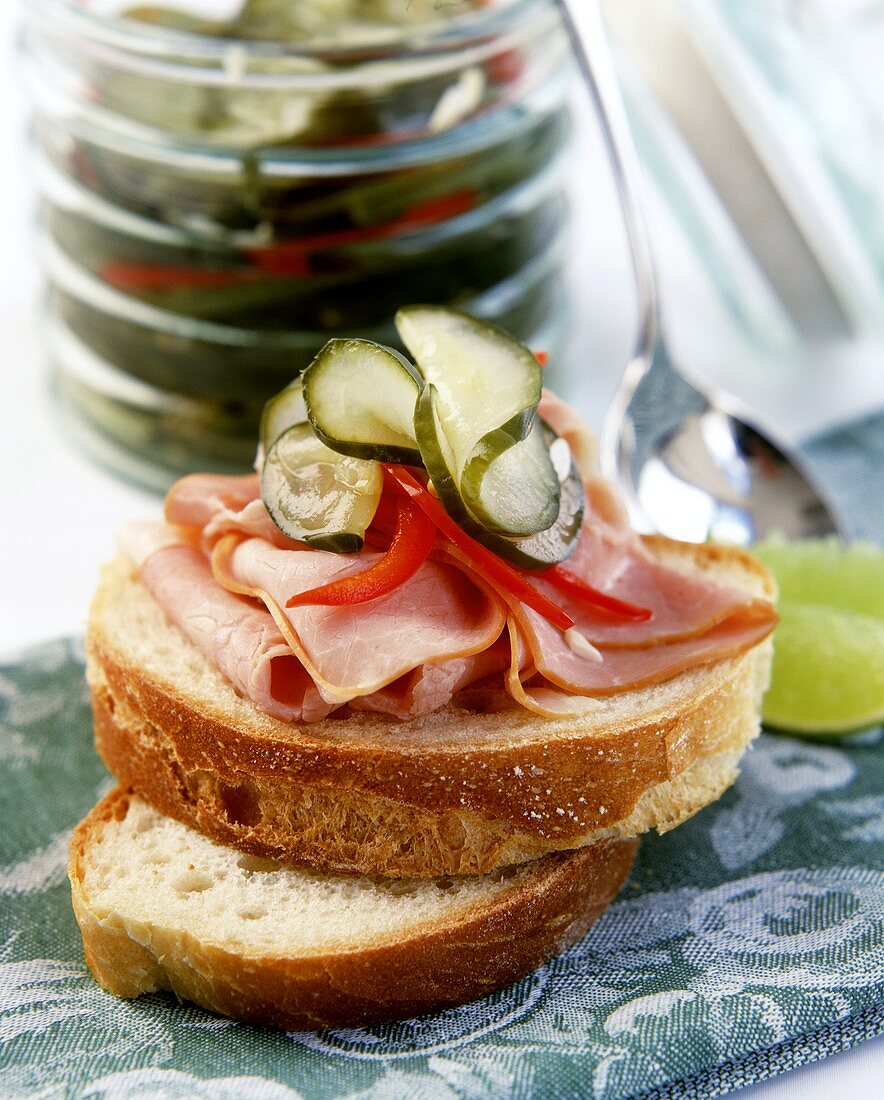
(238, 636)
(252, 519)
(432, 686)
(570, 425)
(540, 648)
(194, 500)
(244, 643)
(220, 505)
(626, 669)
(683, 605)
(603, 503)
(438, 615)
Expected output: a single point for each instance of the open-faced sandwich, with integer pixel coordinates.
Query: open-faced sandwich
(389, 715)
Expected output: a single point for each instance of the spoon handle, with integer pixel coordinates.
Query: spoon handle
(583, 22)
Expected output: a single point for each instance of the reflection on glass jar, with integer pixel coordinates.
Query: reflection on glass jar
(223, 192)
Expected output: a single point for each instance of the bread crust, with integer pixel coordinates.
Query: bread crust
(447, 963)
(464, 791)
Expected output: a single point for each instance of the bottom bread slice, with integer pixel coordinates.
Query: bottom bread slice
(162, 907)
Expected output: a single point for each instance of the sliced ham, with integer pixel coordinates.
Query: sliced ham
(238, 636)
(570, 425)
(219, 505)
(242, 640)
(683, 605)
(141, 539)
(605, 505)
(438, 615)
(627, 669)
(195, 500)
(433, 686)
(539, 696)
(252, 519)
(742, 623)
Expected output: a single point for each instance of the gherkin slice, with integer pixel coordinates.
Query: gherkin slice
(282, 412)
(317, 496)
(512, 489)
(360, 399)
(488, 386)
(534, 552)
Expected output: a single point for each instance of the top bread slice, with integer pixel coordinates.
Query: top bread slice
(161, 907)
(477, 785)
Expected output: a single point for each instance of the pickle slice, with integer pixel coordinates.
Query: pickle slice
(549, 547)
(317, 496)
(538, 551)
(488, 387)
(516, 481)
(360, 399)
(282, 412)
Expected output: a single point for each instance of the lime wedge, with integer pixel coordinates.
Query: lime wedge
(828, 670)
(825, 571)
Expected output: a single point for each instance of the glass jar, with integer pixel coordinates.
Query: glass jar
(224, 188)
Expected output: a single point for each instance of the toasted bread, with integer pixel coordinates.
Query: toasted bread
(478, 785)
(162, 907)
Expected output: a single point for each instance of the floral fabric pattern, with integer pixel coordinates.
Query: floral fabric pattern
(759, 921)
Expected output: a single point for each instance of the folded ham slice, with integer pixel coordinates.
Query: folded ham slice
(238, 636)
(440, 614)
(626, 669)
(432, 686)
(218, 505)
(223, 572)
(683, 605)
(195, 500)
(570, 425)
(408, 657)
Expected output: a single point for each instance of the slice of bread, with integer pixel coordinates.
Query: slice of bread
(162, 907)
(477, 785)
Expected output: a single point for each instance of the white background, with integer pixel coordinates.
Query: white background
(60, 512)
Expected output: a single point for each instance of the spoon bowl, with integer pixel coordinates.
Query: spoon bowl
(692, 469)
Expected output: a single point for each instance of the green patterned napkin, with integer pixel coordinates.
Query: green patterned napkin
(747, 941)
(760, 920)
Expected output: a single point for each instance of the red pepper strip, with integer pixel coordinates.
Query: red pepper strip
(288, 257)
(497, 570)
(506, 67)
(412, 542)
(438, 209)
(542, 357)
(149, 277)
(566, 581)
(380, 532)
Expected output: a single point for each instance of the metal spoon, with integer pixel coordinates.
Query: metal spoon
(687, 463)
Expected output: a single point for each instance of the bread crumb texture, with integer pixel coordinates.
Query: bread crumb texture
(162, 907)
(151, 869)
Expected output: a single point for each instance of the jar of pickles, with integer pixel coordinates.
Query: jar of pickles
(226, 184)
